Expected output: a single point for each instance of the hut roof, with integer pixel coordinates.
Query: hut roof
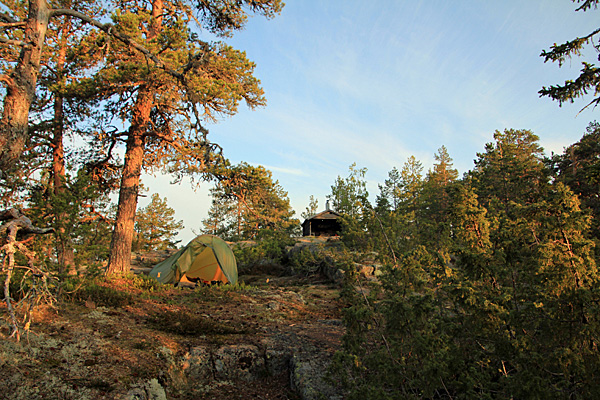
(327, 214)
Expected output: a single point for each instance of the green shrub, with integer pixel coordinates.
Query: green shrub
(309, 261)
(270, 249)
(81, 290)
(148, 284)
(314, 259)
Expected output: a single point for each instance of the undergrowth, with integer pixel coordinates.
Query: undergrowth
(77, 290)
(268, 250)
(109, 292)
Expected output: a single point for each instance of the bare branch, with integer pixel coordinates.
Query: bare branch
(594, 102)
(8, 25)
(13, 42)
(20, 222)
(11, 213)
(6, 79)
(17, 223)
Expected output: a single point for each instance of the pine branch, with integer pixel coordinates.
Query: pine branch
(110, 30)
(587, 4)
(7, 18)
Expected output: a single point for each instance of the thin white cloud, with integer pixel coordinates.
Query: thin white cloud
(373, 85)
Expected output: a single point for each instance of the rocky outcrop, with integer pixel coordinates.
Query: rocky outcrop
(324, 258)
(307, 374)
(205, 367)
(151, 390)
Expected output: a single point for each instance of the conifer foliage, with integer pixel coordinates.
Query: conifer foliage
(146, 70)
(588, 79)
(496, 295)
(155, 226)
(247, 203)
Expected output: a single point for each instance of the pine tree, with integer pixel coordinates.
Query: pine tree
(349, 195)
(510, 171)
(54, 114)
(435, 201)
(85, 218)
(215, 79)
(389, 192)
(155, 226)
(247, 202)
(311, 210)
(22, 80)
(406, 218)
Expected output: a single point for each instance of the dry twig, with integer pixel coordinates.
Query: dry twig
(15, 226)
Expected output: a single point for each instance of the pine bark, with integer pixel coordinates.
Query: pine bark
(64, 246)
(21, 86)
(122, 238)
(123, 232)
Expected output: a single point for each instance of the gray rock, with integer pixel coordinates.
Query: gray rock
(307, 372)
(243, 362)
(150, 390)
(199, 365)
(277, 361)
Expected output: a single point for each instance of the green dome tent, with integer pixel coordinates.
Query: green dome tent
(207, 258)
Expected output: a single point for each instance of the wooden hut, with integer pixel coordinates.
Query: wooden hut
(322, 224)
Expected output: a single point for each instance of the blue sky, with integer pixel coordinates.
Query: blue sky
(376, 82)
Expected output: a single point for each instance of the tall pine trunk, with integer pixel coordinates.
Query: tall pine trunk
(64, 246)
(21, 86)
(122, 238)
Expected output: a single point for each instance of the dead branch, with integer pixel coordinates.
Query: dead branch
(9, 25)
(21, 223)
(13, 42)
(15, 223)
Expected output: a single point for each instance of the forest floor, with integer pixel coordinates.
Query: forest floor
(123, 335)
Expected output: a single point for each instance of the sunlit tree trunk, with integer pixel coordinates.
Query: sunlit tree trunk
(21, 86)
(122, 239)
